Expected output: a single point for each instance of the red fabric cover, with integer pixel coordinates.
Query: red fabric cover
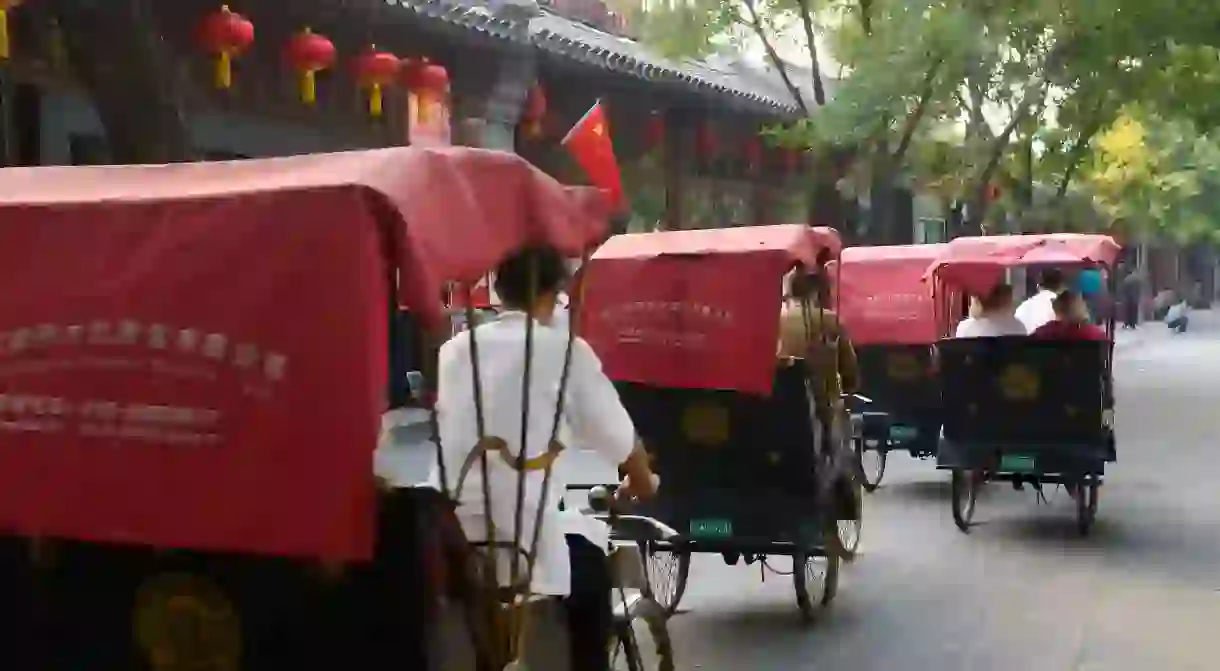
(195, 355)
(976, 264)
(693, 309)
(882, 298)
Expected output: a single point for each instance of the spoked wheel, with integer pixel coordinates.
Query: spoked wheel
(964, 489)
(871, 465)
(642, 643)
(1086, 503)
(816, 580)
(667, 572)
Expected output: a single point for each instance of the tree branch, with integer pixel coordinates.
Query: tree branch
(819, 91)
(1077, 152)
(773, 56)
(866, 16)
(921, 108)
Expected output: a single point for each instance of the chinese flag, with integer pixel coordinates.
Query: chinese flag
(589, 144)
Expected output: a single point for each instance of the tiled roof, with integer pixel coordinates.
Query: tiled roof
(475, 16)
(556, 34)
(752, 88)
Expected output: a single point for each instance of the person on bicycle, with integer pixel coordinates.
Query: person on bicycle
(567, 564)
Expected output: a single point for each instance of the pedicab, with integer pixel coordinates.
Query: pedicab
(686, 324)
(193, 370)
(889, 313)
(1017, 409)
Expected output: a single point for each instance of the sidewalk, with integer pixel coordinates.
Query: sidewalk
(1203, 324)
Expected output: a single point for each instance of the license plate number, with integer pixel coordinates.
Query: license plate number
(903, 433)
(1017, 463)
(711, 528)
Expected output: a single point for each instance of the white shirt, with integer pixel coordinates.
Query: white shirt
(1037, 310)
(1176, 311)
(990, 327)
(594, 419)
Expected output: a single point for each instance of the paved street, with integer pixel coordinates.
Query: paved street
(1022, 592)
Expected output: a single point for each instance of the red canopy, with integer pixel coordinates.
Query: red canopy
(881, 296)
(976, 264)
(694, 309)
(195, 355)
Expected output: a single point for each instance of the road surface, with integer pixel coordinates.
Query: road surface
(1022, 592)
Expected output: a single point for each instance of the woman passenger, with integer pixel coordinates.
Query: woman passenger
(1071, 321)
(991, 315)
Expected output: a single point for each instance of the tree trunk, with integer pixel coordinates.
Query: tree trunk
(119, 54)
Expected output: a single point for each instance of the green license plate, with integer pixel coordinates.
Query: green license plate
(711, 528)
(1017, 463)
(903, 433)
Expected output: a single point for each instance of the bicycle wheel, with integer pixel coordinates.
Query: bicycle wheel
(871, 464)
(964, 490)
(816, 581)
(641, 642)
(667, 573)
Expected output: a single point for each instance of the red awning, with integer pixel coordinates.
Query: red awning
(694, 309)
(975, 264)
(195, 355)
(881, 296)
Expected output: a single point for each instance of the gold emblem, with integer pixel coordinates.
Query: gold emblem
(1019, 383)
(903, 367)
(185, 623)
(706, 424)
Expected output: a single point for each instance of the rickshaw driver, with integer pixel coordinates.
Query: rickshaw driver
(804, 325)
(572, 564)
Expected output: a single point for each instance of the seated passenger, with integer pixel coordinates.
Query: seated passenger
(568, 564)
(1071, 321)
(991, 316)
(1036, 310)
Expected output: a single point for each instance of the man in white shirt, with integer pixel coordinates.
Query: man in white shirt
(992, 316)
(567, 564)
(1038, 309)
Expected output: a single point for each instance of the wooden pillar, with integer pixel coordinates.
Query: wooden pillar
(676, 158)
(123, 60)
(489, 93)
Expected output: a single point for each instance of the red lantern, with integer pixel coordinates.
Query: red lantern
(376, 70)
(5, 7)
(706, 144)
(310, 53)
(993, 192)
(226, 34)
(654, 134)
(427, 82)
(535, 111)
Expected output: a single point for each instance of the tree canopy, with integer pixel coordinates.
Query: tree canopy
(958, 96)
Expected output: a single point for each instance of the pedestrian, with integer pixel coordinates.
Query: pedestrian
(1132, 291)
(1176, 316)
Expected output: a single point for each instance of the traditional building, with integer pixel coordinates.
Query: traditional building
(142, 81)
